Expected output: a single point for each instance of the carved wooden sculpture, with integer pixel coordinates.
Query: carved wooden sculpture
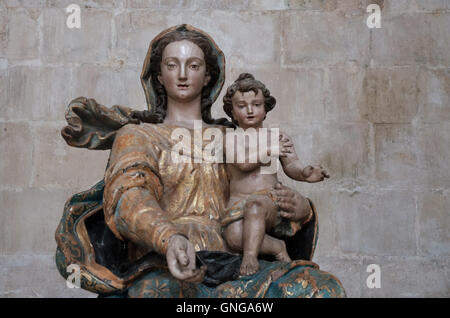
(151, 228)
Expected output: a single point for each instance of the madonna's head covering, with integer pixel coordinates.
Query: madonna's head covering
(215, 64)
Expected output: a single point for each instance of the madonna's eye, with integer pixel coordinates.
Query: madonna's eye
(171, 66)
(195, 66)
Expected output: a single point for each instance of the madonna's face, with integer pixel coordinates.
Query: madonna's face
(183, 71)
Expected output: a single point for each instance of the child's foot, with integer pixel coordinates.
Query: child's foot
(282, 254)
(249, 265)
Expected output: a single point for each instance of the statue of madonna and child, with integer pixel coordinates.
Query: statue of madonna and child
(158, 227)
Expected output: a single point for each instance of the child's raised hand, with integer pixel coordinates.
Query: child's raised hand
(286, 148)
(284, 137)
(286, 145)
(315, 174)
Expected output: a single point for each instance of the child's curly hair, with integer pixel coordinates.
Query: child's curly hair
(246, 82)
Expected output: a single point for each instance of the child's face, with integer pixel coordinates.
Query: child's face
(248, 109)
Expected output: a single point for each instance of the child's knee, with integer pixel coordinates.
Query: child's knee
(254, 208)
(233, 236)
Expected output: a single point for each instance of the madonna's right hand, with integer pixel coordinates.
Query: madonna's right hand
(180, 257)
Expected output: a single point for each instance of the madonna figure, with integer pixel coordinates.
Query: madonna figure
(152, 227)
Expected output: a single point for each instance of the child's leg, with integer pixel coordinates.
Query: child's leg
(249, 235)
(259, 215)
(233, 235)
(275, 247)
(270, 245)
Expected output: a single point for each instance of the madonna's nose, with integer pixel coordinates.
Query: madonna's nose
(182, 73)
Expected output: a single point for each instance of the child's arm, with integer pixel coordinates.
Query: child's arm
(292, 166)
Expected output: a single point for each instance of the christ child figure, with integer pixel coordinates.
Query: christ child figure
(252, 211)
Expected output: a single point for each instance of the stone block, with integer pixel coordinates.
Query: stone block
(380, 223)
(85, 3)
(306, 38)
(399, 6)
(23, 33)
(327, 243)
(359, 7)
(391, 94)
(248, 38)
(396, 156)
(25, 3)
(258, 45)
(411, 39)
(349, 270)
(121, 86)
(57, 165)
(224, 4)
(434, 95)
(34, 276)
(268, 4)
(434, 224)
(16, 146)
(29, 219)
(302, 96)
(3, 32)
(90, 43)
(344, 94)
(188, 4)
(3, 85)
(343, 149)
(434, 152)
(135, 30)
(350, 7)
(432, 5)
(316, 5)
(37, 93)
(157, 4)
(408, 277)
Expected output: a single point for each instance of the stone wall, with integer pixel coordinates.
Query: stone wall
(371, 105)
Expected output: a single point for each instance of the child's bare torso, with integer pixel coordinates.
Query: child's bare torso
(244, 183)
(246, 178)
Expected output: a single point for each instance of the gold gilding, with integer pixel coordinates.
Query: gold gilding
(180, 197)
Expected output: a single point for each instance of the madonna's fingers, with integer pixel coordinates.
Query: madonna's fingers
(286, 207)
(286, 200)
(182, 258)
(196, 275)
(286, 215)
(174, 269)
(187, 274)
(284, 193)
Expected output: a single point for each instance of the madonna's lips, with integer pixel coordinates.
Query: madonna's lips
(183, 86)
